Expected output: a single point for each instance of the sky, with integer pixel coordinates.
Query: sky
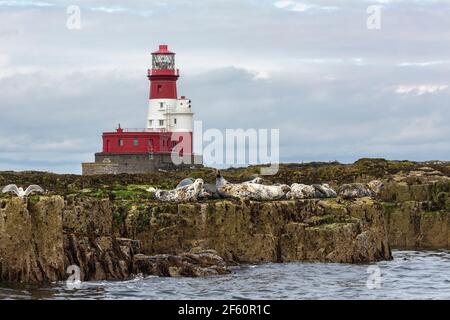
(336, 89)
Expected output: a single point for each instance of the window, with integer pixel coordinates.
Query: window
(174, 120)
(135, 142)
(159, 88)
(150, 123)
(161, 123)
(161, 105)
(120, 143)
(163, 61)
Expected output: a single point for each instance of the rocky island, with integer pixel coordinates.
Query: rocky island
(112, 227)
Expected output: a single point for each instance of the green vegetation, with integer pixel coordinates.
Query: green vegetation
(132, 189)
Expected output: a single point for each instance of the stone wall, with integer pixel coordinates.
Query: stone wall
(92, 168)
(134, 163)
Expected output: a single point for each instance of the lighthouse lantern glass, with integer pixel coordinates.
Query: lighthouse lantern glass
(163, 62)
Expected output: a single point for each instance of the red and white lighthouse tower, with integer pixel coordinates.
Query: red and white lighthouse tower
(166, 111)
(168, 128)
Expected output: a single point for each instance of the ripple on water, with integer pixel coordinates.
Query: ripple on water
(411, 275)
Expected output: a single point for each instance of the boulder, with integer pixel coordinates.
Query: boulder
(355, 190)
(199, 264)
(375, 186)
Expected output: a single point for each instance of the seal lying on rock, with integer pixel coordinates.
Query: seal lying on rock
(189, 192)
(208, 191)
(251, 190)
(185, 182)
(303, 191)
(324, 191)
(360, 190)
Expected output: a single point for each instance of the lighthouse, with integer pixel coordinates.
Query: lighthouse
(167, 131)
(167, 111)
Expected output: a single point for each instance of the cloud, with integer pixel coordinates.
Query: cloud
(24, 3)
(113, 9)
(422, 64)
(301, 6)
(420, 89)
(120, 9)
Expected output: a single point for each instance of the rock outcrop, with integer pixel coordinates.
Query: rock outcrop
(417, 210)
(42, 236)
(276, 231)
(37, 244)
(112, 228)
(31, 246)
(201, 264)
(355, 190)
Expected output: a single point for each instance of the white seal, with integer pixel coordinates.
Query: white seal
(303, 191)
(251, 190)
(185, 193)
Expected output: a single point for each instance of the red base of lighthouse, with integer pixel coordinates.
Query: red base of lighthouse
(137, 151)
(146, 141)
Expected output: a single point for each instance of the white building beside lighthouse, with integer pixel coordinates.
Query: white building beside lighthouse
(172, 115)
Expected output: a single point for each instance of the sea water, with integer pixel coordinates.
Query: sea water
(411, 275)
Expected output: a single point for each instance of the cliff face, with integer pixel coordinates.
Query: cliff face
(40, 238)
(88, 241)
(277, 231)
(417, 210)
(31, 240)
(37, 244)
